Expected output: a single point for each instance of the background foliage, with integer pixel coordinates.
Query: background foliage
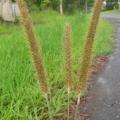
(69, 6)
(111, 4)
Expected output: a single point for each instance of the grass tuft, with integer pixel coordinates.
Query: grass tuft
(20, 96)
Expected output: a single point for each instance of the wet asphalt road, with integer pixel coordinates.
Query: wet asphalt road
(105, 94)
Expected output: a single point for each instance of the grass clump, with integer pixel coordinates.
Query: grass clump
(19, 91)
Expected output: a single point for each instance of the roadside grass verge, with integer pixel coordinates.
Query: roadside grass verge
(111, 12)
(20, 96)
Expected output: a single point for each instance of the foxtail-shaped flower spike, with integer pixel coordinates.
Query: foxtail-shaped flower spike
(34, 46)
(86, 59)
(87, 54)
(68, 63)
(68, 56)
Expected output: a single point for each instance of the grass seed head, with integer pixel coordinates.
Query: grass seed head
(86, 60)
(34, 47)
(68, 56)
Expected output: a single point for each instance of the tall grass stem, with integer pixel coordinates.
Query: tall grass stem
(77, 110)
(87, 53)
(35, 51)
(68, 111)
(68, 63)
(49, 108)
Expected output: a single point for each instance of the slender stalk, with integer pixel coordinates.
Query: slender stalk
(49, 108)
(77, 109)
(68, 63)
(35, 51)
(68, 111)
(87, 54)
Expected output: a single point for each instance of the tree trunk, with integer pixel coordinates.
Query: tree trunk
(86, 6)
(7, 14)
(119, 4)
(61, 7)
(0, 9)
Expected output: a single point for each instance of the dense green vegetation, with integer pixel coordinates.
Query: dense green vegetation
(20, 96)
(111, 12)
(112, 4)
(69, 6)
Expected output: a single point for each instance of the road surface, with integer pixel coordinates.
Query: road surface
(105, 94)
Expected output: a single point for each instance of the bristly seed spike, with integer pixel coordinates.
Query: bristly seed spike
(87, 53)
(68, 56)
(34, 46)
